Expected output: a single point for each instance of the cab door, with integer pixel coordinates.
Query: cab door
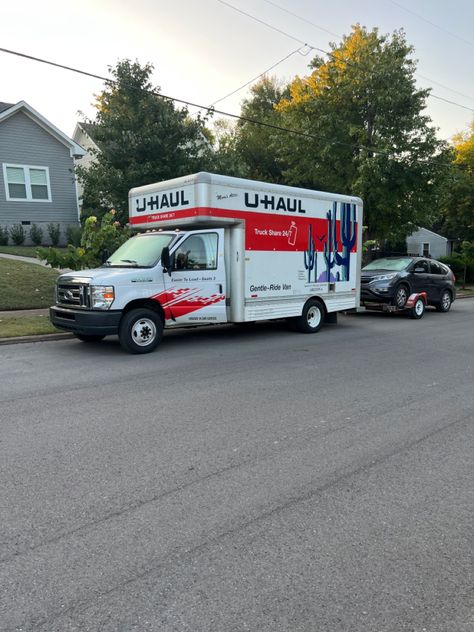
(196, 289)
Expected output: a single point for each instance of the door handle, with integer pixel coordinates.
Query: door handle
(220, 288)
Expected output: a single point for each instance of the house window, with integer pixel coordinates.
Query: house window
(24, 182)
(426, 249)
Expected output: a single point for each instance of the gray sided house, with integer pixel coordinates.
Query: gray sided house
(426, 243)
(37, 183)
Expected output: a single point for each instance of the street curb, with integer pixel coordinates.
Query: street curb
(34, 338)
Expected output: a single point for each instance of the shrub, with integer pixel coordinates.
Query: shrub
(4, 236)
(18, 235)
(36, 234)
(54, 233)
(73, 235)
(456, 263)
(97, 237)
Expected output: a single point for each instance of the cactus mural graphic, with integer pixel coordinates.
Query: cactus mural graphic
(311, 256)
(330, 247)
(348, 237)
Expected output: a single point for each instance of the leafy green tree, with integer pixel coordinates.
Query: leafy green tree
(142, 138)
(254, 144)
(459, 206)
(466, 257)
(227, 160)
(370, 136)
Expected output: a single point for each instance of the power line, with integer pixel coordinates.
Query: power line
(297, 50)
(461, 94)
(321, 28)
(245, 119)
(441, 28)
(325, 52)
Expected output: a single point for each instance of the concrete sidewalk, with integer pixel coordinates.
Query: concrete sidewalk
(38, 262)
(25, 312)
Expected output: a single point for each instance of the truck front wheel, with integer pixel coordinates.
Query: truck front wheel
(311, 318)
(140, 330)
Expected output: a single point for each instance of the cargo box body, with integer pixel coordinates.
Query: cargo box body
(282, 245)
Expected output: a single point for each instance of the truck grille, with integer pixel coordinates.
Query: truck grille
(71, 294)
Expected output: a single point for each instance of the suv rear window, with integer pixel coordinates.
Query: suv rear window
(436, 268)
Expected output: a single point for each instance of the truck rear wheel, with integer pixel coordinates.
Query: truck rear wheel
(140, 330)
(311, 318)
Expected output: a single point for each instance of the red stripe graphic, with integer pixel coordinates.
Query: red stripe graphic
(263, 231)
(182, 301)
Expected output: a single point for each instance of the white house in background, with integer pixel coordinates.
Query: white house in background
(426, 243)
(84, 136)
(37, 182)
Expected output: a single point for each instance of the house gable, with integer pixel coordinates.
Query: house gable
(30, 146)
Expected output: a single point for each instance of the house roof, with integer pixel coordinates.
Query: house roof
(87, 129)
(8, 109)
(5, 106)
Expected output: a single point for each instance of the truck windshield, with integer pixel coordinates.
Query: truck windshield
(140, 251)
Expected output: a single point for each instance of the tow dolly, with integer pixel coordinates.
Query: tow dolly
(415, 306)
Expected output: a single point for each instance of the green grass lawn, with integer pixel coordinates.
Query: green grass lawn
(22, 251)
(11, 326)
(25, 285)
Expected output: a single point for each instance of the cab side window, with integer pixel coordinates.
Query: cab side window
(197, 252)
(436, 268)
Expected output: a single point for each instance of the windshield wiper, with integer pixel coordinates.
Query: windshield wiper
(132, 261)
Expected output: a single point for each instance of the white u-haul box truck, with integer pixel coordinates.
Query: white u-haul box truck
(216, 249)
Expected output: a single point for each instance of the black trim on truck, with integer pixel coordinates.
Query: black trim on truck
(94, 323)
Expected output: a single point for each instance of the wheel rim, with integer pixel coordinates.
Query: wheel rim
(446, 300)
(419, 307)
(401, 297)
(313, 317)
(143, 332)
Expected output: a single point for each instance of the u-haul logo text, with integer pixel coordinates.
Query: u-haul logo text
(274, 203)
(171, 199)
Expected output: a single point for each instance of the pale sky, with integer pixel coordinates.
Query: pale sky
(202, 50)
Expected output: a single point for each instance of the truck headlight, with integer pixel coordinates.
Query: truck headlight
(102, 296)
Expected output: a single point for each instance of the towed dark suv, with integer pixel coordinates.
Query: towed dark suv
(391, 281)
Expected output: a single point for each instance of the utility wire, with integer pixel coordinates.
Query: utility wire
(297, 50)
(461, 94)
(245, 119)
(325, 52)
(441, 28)
(316, 26)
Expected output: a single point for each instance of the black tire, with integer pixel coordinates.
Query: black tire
(89, 337)
(445, 302)
(140, 330)
(311, 318)
(401, 296)
(418, 309)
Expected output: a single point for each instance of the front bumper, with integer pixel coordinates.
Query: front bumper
(87, 322)
(374, 294)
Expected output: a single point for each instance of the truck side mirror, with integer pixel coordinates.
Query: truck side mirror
(166, 260)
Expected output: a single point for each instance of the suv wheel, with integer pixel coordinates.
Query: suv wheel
(401, 297)
(445, 302)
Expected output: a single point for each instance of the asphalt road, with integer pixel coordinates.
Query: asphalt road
(242, 479)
